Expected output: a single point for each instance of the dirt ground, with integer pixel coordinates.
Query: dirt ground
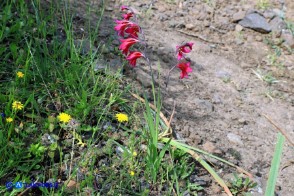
(220, 108)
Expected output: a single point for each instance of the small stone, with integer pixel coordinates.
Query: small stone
(238, 16)
(204, 105)
(216, 189)
(222, 74)
(216, 99)
(277, 25)
(109, 9)
(198, 180)
(189, 26)
(269, 14)
(242, 121)
(238, 28)
(234, 138)
(172, 24)
(288, 38)
(143, 78)
(279, 13)
(246, 65)
(210, 147)
(206, 23)
(180, 25)
(201, 16)
(258, 38)
(162, 17)
(256, 22)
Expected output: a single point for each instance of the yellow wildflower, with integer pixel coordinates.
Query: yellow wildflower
(63, 117)
(17, 105)
(20, 74)
(135, 154)
(132, 173)
(122, 117)
(9, 119)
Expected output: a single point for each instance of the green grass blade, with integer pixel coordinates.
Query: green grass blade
(201, 161)
(271, 182)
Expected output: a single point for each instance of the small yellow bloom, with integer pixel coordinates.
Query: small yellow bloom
(63, 117)
(20, 74)
(135, 154)
(17, 105)
(132, 173)
(9, 119)
(122, 117)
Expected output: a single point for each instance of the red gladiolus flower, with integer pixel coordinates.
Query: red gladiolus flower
(127, 16)
(121, 26)
(126, 44)
(133, 30)
(124, 7)
(185, 48)
(185, 67)
(133, 56)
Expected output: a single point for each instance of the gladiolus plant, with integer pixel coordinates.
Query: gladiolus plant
(129, 32)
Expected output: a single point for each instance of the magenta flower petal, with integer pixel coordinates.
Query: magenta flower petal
(126, 44)
(133, 56)
(127, 16)
(185, 68)
(124, 7)
(185, 48)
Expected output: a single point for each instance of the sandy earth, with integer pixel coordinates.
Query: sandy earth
(221, 107)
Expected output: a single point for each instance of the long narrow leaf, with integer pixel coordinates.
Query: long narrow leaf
(201, 161)
(217, 158)
(273, 175)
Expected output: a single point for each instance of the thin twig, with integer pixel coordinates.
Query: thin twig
(71, 155)
(283, 132)
(200, 37)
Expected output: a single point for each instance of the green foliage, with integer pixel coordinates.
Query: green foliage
(37, 149)
(263, 4)
(274, 171)
(241, 186)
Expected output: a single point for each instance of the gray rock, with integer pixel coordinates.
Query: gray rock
(279, 13)
(216, 99)
(238, 16)
(144, 78)
(256, 22)
(258, 38)
(277, 24)
(162, 17)
(172, 24)
(234, 138)
(189, 26)
(288, 38)
(269, 14)
(238, 28)
(222, 74)
(204, 105)
(181, 25)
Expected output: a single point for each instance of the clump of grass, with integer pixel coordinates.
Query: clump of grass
(263, 4)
